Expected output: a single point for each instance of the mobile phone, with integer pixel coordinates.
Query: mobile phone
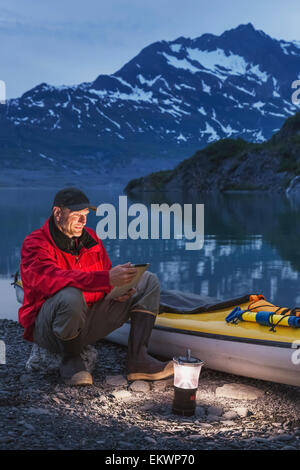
(138, 265)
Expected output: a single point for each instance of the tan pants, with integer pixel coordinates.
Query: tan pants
(66, 313)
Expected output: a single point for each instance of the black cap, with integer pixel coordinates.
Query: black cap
(73, 199)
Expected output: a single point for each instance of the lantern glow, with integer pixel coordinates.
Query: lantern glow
(186, 377)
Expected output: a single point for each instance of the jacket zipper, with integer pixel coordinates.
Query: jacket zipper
(77, 258)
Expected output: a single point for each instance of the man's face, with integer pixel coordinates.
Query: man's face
(70, 223)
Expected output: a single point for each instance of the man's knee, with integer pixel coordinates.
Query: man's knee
(151, 279)
(70, 313)
(148, 293)
(71, 297)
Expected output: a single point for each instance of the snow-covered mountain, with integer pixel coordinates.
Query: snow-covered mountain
(173, 98)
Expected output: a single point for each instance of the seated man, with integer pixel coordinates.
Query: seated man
(66, 274)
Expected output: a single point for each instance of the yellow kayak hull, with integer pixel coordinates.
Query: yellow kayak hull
(247, 349)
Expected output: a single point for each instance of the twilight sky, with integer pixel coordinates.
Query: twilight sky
(66, 42)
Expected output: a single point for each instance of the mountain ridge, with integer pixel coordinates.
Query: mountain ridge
(233, 164)
(171, 99)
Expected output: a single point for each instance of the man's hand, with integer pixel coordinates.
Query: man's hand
(126, 296)
(121, 274)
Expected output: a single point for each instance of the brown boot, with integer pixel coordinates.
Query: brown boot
(72, 368)
(141, 366)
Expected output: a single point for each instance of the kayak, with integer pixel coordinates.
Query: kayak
(245, 348)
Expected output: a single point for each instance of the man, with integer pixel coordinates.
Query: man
(66, 274)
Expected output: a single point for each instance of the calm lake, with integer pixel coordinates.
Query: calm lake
(251, 243)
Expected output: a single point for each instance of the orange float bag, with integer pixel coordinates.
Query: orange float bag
(259, 303)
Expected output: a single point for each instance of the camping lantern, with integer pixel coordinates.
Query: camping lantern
(186, 377)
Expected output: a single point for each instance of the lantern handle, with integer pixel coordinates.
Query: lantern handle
(188, 355)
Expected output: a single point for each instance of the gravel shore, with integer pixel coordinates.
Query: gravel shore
(37, 411)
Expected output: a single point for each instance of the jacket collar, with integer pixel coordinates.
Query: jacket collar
(70, 245)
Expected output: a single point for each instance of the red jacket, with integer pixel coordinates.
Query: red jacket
(46, 269)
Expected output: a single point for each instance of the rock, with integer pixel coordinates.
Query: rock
(262, 440)
(41, 359)
(29, 426)
(122, 395)
(6, 439)
(140, 386)
(242, 411)
(4, 396)
(239, 392)
(228, 423)
(25, 378)
(215, 410)
(200, 411)
(193, 437)
(206, 425)
(56, 400)
(282, 437)
(212, 418)
(38, 411)
(161, 385)
(230, 415)
(126, 444)
(147, 407)
(150, 440)
(116, 380)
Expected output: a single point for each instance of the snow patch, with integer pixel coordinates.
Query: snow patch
(226, 129)
(252, 93)
(179, 110)
(137, 94)
(276, 114)
(180, 63)
(202, 111)
(206, 88)
(284, 47)
(296, 44)
(259, 136)
(170, 111)
(181, 137)
(122, 81)
(76, 109)
(143, 80)
(210, 130)
(130, 126)
(176, 47)
(40, 104)
(183, 85)
(258, 105)
(106, 117)
(232, 64)
(47, 158)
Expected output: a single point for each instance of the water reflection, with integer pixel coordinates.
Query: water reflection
(251, 241)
